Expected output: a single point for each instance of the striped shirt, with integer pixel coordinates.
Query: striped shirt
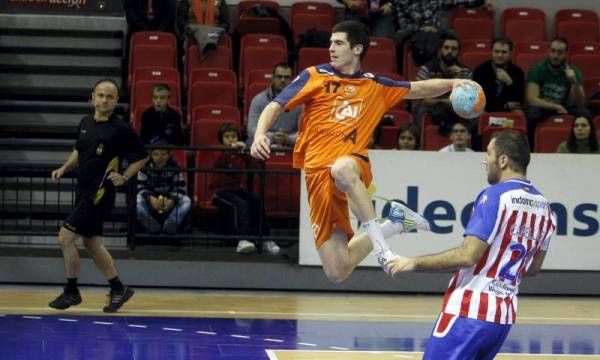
(516, 221)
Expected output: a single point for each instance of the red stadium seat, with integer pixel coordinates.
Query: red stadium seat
(247, 24)
(501, 119)
(522, 24)
(247, 4)
(212, 93)
(224, 113)
(547, 139)
(399, 117)
(588, 64)
(474, 28)
(151, 56)
(204, 178)
(282, 186)
(577, 25)
(388, 137)
(474, 59)
(304, 22)
(205, 132)
(476, 45)
(311, 56)
(585, 47)
(526, 60)
(432, 140)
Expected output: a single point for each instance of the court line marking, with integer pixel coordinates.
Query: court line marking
(339, 348)
(274, 340)
(31, 317)
(206, 332)
(240, 336)
(293, 315)
(307, 344)
(68, 320)
(138, 326)
(405, 354)
(103, 323)
(171, 329)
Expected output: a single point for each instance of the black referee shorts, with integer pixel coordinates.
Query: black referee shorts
(86, 218)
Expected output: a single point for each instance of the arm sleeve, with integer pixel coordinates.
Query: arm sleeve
(484, 216)
(393, 91)
(298, 91)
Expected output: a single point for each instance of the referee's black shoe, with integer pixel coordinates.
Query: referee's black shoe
(116, 299)
(66, 300)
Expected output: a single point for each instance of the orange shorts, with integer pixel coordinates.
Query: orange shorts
(328, 205)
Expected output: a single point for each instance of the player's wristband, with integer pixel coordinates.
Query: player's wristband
(125, 177)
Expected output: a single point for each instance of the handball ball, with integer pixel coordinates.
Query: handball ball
(468, 100)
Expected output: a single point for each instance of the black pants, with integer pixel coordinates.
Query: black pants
(242, 209)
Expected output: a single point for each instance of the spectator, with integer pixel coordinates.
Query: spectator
(377, 15)
(161, 193)
(582, 138)
(205, 21)
(286, 127)
(460, 136)
(160, 121)
(240, 206)
(150, 15)
(445, 66)
(554, 87)
(424, 21)
(408, 138)
(501, 80)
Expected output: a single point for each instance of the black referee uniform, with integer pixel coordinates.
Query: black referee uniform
(100, 146)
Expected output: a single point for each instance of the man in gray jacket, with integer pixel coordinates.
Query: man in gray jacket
(285, 130)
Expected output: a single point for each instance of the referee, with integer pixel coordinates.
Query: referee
(103, 140)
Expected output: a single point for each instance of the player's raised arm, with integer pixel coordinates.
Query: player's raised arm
(432, 88)
(261, 147)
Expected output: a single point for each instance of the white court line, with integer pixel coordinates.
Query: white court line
(172, 329)
(274, 340)
(31, 317)
(206, 332)
(412, 354)
(102, 323)
(306, 344)
(138, 326)
(240, 336)
(271, 354)
(296, 315)
(68, 320)
(338, 348)
(2, 315)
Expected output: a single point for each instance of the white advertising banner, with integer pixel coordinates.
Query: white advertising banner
(443, 186)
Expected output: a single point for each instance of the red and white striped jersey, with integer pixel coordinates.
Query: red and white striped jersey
(516, 221)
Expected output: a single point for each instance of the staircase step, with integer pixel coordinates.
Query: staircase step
(44, 42)
(72, 61)
(50, 85)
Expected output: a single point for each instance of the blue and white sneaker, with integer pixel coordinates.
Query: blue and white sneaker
(410, 220)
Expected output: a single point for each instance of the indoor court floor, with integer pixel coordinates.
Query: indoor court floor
(207, 324)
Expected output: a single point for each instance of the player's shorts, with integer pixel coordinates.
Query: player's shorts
(86, 218)
(328, 205)
(456, 338)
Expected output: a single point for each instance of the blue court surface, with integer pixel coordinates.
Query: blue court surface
(69, 337)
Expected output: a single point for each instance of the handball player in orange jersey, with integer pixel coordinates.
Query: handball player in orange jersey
(342, 107)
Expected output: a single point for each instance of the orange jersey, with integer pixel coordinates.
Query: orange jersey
(340, 113)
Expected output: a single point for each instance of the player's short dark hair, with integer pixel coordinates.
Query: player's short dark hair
(161, 87)
(513, 144)
(561, 39)
(108, 81)
(356, 33)
(503, 41)
(282, 65)
(227, 127)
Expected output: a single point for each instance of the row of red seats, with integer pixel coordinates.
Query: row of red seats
(525, 24)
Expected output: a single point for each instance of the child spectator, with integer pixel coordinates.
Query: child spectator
(162, 193)
(241, 206)
(160, 121)
(460, 136)
(408, 138)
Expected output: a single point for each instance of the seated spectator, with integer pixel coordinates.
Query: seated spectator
(425, 21)
(554, 87)
(460, 136)
(503, 82)
(160, 121)
(240, 206)
(155, 15)
(408, 138)
(377, 15)
(445, 66)
(285, 130)
(582, 138)
(205, 21)
(161, 193)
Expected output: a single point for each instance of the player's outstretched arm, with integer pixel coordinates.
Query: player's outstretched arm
(432, 87)
(261, 147)
(466, 255)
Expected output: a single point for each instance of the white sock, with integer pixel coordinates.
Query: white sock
(374, 231)
(389, 228)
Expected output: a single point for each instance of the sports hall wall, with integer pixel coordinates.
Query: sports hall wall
(276, 275)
